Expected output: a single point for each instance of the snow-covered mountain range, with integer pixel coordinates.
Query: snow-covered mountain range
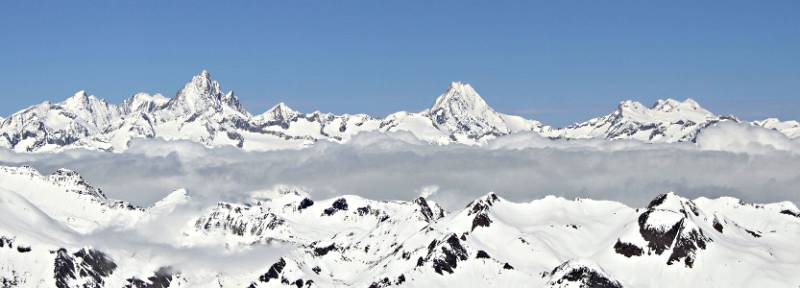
(202, 112)
(47, 224)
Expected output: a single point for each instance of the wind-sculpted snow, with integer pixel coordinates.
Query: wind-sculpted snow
(549, 242)
(202, 112)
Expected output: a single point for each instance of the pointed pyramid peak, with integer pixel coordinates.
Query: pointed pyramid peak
(203, 78)
(460, 97)
(461, 93)
(77, 98)
(460, 110)
(204, 81)
(281, 107)
(81, 100)
(279, 112)
(668, 201)
(81, 94)
(202, 94)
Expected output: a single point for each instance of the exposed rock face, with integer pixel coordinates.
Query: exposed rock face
(305, 203)
(429, 213)
(669, 223)
(86, 266)
(162, 278)
(581, 274)
(338, 205)
(444, 255)
(274, 271)
(628, 249)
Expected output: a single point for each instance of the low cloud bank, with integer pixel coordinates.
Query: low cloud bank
(739, 138)
(754, 164)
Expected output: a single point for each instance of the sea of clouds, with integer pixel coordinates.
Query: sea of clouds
(750, 163)
(753, 164)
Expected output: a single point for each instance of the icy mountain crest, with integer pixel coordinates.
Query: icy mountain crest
(461, 110)
(202, 95)
(75, 183)
(280, 114)
(202, 112)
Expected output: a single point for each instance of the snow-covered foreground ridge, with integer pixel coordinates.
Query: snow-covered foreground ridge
(58, 231)
(202, 112)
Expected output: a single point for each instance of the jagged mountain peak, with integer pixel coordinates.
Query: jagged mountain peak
(462, 113)
(82, 100)
(203, 94)
(203, 80)
(281, 107)
(88, 110)
(461, 97)
(79, 95)
(201, 85)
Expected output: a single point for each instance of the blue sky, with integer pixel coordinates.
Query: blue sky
(555, 61)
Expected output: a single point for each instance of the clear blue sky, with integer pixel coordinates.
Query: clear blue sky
(555, 61)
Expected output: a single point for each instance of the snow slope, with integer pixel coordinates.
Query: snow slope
(666, 121)
(788, 128)
(349, 241)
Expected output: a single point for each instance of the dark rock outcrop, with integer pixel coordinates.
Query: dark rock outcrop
(162, 278)
(339, 204)
(582, 275)
(305, 203)
(627, 249)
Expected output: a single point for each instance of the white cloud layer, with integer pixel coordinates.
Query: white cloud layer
(753, 164)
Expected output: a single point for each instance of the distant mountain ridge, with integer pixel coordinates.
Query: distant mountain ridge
(202, 112)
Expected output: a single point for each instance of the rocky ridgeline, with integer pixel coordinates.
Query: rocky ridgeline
(350, 241)
(202, 112)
